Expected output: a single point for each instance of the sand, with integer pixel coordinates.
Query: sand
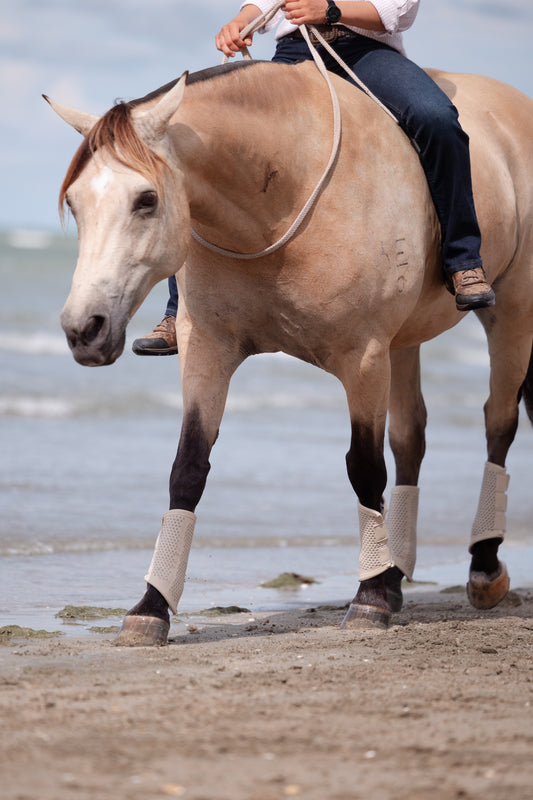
(281, 705)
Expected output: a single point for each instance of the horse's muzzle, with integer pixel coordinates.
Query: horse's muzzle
(93, 340)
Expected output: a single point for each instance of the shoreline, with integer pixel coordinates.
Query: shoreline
(36, 588)
(284, 705)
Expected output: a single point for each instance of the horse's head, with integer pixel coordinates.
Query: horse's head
(124, 189)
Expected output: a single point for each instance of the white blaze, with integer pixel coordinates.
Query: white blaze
(101, 182)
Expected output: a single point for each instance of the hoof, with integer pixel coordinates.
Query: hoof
(138, 631)
(366, 617)
(485, 593)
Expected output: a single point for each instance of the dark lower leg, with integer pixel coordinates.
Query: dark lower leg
(368, 476)
(366, 467)
(153, 604)
(373, 592)
(187, 482)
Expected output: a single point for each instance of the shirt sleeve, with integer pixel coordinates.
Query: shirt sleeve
(396, 15)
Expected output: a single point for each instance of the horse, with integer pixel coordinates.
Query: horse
(228, 156)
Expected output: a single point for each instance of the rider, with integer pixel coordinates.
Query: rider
(368, 37)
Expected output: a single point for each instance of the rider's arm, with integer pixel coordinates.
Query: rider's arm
(357, 13)
(391, 16)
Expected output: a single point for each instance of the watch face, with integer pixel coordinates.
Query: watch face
(333, 14)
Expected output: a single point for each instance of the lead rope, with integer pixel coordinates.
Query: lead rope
(257, 23)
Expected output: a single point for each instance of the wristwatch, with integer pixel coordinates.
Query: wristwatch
(333, 13)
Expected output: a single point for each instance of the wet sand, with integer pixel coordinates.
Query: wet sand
(279, 705)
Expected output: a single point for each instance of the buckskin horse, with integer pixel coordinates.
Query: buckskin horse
(229, 156)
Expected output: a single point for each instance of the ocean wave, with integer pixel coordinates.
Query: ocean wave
(47, 407)
(35, 344)
(27, 548)
(29, 239)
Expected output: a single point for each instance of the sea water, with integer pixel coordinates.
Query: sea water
(86, 454)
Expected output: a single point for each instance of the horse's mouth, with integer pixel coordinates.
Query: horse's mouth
(95, 342)
(88, 357)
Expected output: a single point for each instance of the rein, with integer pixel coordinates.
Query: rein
(257, 23)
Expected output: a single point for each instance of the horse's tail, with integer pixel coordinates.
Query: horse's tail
(527, 389)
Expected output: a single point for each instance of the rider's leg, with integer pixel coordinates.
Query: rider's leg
(430, 120)
(162, 340)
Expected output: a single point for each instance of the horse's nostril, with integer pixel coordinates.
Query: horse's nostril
(92, 329)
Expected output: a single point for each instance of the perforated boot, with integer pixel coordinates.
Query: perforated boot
(162, 342)
(472, 289)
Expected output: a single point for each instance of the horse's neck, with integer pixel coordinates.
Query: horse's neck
(247, 172)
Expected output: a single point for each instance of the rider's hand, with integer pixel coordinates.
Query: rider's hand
(229, 41)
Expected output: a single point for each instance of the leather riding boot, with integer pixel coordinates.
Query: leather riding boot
(162, 342)
(472, 289)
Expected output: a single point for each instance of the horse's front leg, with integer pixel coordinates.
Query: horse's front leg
(366, 379)
(407, 426)
(205, 382)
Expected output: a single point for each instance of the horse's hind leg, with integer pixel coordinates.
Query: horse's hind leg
(366, 378)
(510, 355)
(407, 425)
(205, 385)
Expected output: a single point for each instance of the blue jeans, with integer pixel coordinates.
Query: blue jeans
(172, 305)
(429, 119)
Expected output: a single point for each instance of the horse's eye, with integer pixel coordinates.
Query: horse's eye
(146, 201)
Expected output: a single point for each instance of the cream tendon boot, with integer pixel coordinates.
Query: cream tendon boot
(489, 523)
(374, 556)
(374, 559)
(401, 523)
(171, 554)
(490, 519)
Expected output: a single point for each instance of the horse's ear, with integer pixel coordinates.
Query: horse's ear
(152, 124)
(79, 120)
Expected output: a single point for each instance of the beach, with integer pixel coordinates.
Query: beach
(269, 706)
(272, 700)
(86, 455)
